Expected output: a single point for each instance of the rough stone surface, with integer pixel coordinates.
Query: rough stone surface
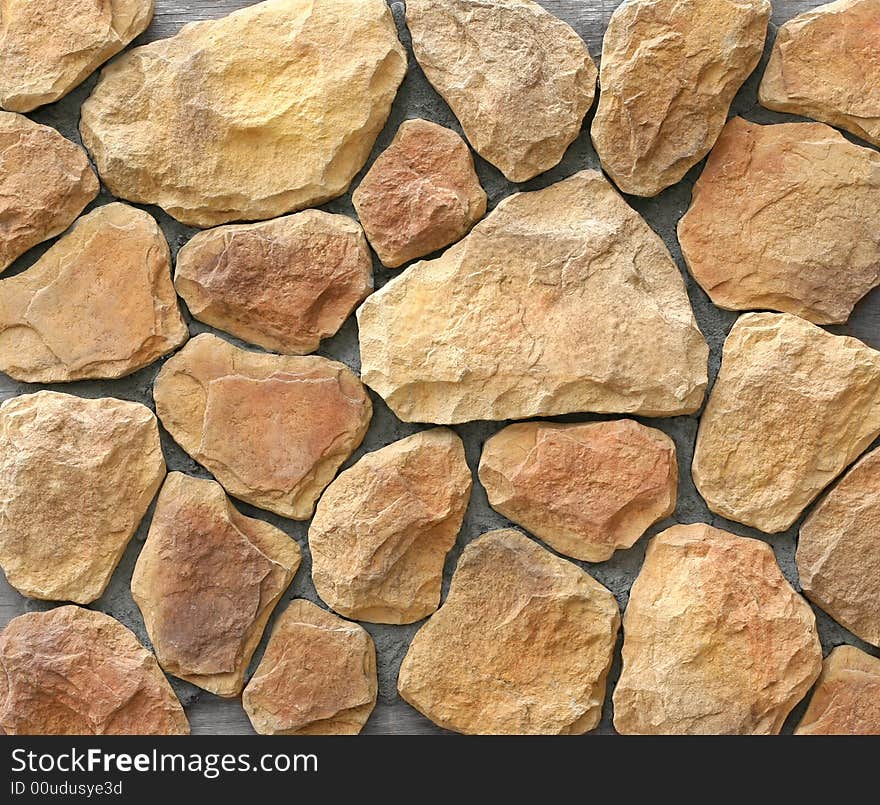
(825, 64)
(519, 80)
(523, 317)
(98, 304)
(47, 47)
(268, 110)
(383, 528)
(317, 677)
(784, 217)
(45, 182)
(76, 478)
(715, 639)
(522, 644)
(792, 406)
(670, 69)
(206, 582)
(72, 671)
(283, 284)
(846, 700)
(421, 194)
(585, 489)
(838, 553)
(272, 429)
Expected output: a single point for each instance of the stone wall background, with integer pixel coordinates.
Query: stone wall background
(209, 714)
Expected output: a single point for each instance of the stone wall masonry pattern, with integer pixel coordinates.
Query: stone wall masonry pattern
(848, 674)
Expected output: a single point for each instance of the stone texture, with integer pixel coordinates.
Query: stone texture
(792, 406)
(272, 429)
(76, 478)
(283, 284)
(670, 69)
(383, 528)
(716, 640)
(72, 671)
(783, 217)
(317, 676)
(522, 644)
(520, 80)
(421, 194)
(98, 304)
(47, 47)
(268, 110)
(838, 553)
(206, 582)
(846, 700)
(45, 182)
(585, 489)
(825, 64)
(560, 300)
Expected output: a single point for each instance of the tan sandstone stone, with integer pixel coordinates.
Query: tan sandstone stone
(272, 429)
(98, 304)
(45, 182)
(838, 553)
(715, 639)
(670, 69)
(585, 489)
(846, 700)
(47, 47)
(825, 64)
(76, 478)
(522, 644)
(206, 582)
(560, 300)
(519, 80)
(784, 217)
(421, 194)
(383, 528)
(270, 109)
(792, 406)
(317, 677)
(72, 671)
(283, 284)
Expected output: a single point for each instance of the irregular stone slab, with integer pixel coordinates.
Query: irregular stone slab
(206, 582)
(76, 478)
(670, 69)
(45, 182)
(716, 642)
(317, 676)
(383, 528)
(825, 64)
(72, 671)
(283, 284)
(98, 304)
(846, 700)
(783, 217)
(520, 81)
(522, 644)
(838, 552)
(421, 194)
(268, 110)
(48, 47)
(792, 407)
(522, 318)
(272, 429)
(585, 489)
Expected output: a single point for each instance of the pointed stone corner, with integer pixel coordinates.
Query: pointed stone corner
(272, 429)
(791, 408)
(206, 582)
(561, 300)
(716, 641)
(522, 644)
